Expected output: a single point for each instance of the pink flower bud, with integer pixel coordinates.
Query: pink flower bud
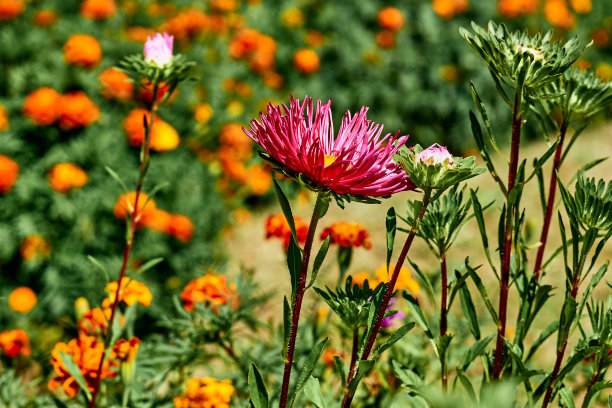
(435, 155)
(158, 49)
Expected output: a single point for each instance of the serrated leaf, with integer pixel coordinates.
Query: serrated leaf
(294, 263)
(306, 372)
(395, 337)
(257, 388)
(312, 392)
(286, 326)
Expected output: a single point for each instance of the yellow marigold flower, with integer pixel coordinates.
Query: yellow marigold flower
(81, 306)
(82, 50)
(306, 61)
(4, 121)
(34, 246)
(65, 176)
(203, 112)
(9, 172)
(235, 108)
(404, 280)
(292, 17)
(206, 393)
(125, 350)
(604, 71)
(15, 342)
(41, 106)
(131, 292)
(163, 136)
(22, 299)
(210, 289)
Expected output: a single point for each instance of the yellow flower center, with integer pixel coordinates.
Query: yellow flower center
(329, 160)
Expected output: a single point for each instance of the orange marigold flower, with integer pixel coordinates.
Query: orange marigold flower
(206, 393)
(277, 226)
(163, 136)
(10, 9)
(139, 34)
(211, 290)
(385, 39)
(404, 280)
(390, 19)
(34, 246)
(328, 355)
(306, 61)
(360, 277)
(348, 234)
(600, 37)
(116, 84)
(314, 38)
(145, 92)
(98, 9)
(558, 14)
(131, 292)
(448, 8)
(82, 50)
(86, 353)
(203, 112)
(4, 121)
(223, 5)
(15, 342)
(22, 299)
(65, 176)
(516, 8)
(259, 179)
(41, 106)
(94, 322)
(181, 227)
(273, 79)
(77, 110)
(126, 202)
(157, 220)
(582, 6)
(582, 63)
(81, 306)
(186, 24)
(9, 172)
(125, 350)
(292, 17)
(256, 48)
(43, 18)
(232, 137)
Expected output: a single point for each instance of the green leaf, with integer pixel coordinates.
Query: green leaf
(363, 369)
(284, 203)
(546, 333)
(319, 260)
(483, 115)
(116, 177)
(257, 388)
(467, 305)
(100, 267)
(469, 388)
(481, 227)
(395, 337)
(568, 314)
(309, 366)
(596, 388)
(407, 376)
(391, 226)
(477, 349)
(417, 314)
(286, 326)
(542, 160)
(75, 372)
(339, 368)
(312, 391)
(482, 291)
(566, 398)
(294, 263)
(148, 265)
(426, 282)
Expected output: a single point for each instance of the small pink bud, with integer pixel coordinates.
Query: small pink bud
(435, 155)
(158, 49)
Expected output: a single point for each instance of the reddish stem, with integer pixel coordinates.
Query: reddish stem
(128, 247)
(443, 312)
(348, 397)
(298, 299)
(551, 203)
(507, 249)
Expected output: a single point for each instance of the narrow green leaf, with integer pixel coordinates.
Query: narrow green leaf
(319, 260)
(309, 366)
(568, 314)
(395, 337)
(482, 291)
(312, 392)
(284, 203)
(286, 326)
(417, 314)
(481, 227)
(469, 388)
(469, 310)
(294, 263)
(476, 350)
(148, 265)
(566, 398)
(391, 226)
(116, 177)
(426, 282)
(257, 388)
(100, 267)
(363, 369)
(595, 389)
(340, 370)
(75, 372)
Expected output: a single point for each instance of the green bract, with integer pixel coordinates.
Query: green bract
(436, 176)
(591, 204)
(519, 60)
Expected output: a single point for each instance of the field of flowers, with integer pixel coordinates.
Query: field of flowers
(139, 138)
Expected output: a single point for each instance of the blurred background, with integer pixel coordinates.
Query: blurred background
(65, 114)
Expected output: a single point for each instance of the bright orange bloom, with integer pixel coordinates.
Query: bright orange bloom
(34, 246)
(360, 277)
(157, 220)
(448, 8)
(306, 61)
(314, 38)
(256, 48)
(223, 5)
(94, 322)
(206, 393)
(181, 227)
(210, 289)
(276, 226)
(328, 355)
(77, 110)
(187, 24)
(582, 6)
(98, 9)
(22, 299)
(82, 50)
(259, 179)
(292, 17)
(131, 292)
(15, 342)
(163, 136)
(9, 172)
(232, 137)
(273, 79)
(41, 106)
(404, 280)
(582, 63)
(385, 39)
(390, 19)
(43, 18)
(348, 234)
(10, 9)
(4, 121)
(86, 353)
(145, 92)
(558, 14)
(516, 8)
(126, 202)
(125, 350)
(65, 176)
(203, 112)
(139, 34)
(600, 37)
(116, 85)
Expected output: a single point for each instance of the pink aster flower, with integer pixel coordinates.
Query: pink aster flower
(158, 49)
(358, 160)
(435, 154)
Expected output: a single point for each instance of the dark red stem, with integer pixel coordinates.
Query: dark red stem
(298, 299)
(443, 312)
(507, 249)
(550, 205)
(348, 397)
